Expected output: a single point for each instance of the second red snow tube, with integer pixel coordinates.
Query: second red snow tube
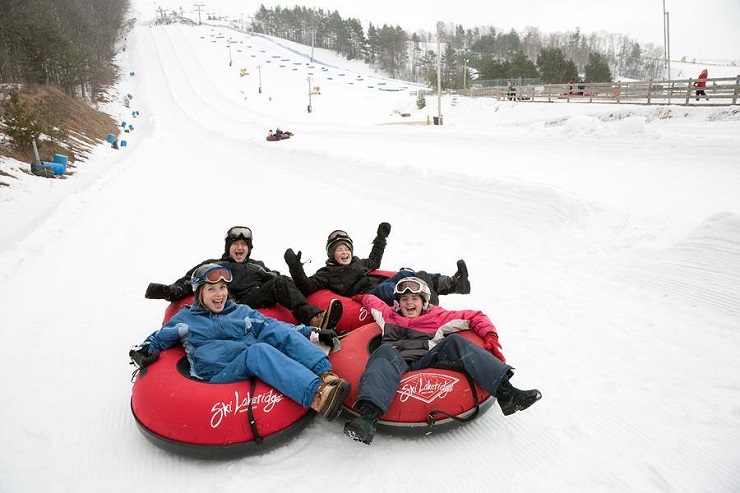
(427, 400)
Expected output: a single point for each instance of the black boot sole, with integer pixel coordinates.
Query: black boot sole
(357, 433)
(332, 315)
(509, 408)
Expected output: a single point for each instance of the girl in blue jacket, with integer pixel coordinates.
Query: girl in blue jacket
(228, 342)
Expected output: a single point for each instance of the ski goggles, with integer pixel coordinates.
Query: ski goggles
(413, 286)
(337, 233)
(212, 273)
(215, 275)
(239, 231)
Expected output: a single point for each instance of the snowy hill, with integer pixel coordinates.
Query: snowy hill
(602, 240)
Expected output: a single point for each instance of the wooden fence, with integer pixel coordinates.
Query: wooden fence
(719, 91)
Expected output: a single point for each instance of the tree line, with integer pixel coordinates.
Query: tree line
(69, 44)
(51, 50)
(485, 53)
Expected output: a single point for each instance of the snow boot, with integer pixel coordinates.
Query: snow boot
(461, 278)
(330, 396)
(330, 378)
(329, 318)
(363, 428)
(512, 399)
(458, 283)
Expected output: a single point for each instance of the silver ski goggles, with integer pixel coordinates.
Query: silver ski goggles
(337, 233)
(239, 231)
(408, 286)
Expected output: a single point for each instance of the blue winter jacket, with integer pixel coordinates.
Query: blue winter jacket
(213, 340)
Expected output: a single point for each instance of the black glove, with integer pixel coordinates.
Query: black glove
(327, 336)
(156, 291)
(141, 357)
(178, 292)
(384, 229)
(291, 258)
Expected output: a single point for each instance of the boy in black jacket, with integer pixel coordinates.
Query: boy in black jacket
(348, 275)
(253, 284)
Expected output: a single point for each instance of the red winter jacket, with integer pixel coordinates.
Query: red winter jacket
(702, 82)
(415, 336)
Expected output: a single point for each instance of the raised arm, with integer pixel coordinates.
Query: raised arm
(376, 254)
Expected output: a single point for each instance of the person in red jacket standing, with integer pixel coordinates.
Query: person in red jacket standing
(417, 335)
(701, 84)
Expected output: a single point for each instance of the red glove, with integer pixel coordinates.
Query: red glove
(358, 298)
(490, 343)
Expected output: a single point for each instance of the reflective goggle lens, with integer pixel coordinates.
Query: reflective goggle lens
(218, 274)
(413, 287)
(337, 234)
(238, 231)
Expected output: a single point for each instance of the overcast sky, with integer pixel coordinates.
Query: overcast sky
(705, 30)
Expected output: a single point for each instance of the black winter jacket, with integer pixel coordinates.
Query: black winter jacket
(345, 280)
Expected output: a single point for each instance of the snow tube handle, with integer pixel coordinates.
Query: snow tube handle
(250, 412)
(431, 419)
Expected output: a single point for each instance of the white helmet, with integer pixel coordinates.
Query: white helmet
(413, 285)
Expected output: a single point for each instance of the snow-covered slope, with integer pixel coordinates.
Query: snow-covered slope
(601, 240)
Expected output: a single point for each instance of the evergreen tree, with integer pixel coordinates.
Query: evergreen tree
(554, 68)
(421, 101)
(508, 44)
(490, 69)
(356, 42)
(486, 43)
(429, 67)
(450, 69)
(597, 70)
(416, 57)
(68, 44)
(522, 67)
(373, 44)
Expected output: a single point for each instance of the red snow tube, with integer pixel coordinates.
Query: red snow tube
(210, 420)
(283, 136)
(427, 400)
(354, 315)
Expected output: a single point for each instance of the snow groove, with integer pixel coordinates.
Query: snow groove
(703, 270)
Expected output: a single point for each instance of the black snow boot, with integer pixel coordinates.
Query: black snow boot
(512, 399)
(458, 283)
(363, 427)
(461, 276)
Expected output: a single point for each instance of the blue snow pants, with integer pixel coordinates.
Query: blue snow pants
(283, 358)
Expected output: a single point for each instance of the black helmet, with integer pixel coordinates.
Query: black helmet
(335, 238)
(238, 233)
